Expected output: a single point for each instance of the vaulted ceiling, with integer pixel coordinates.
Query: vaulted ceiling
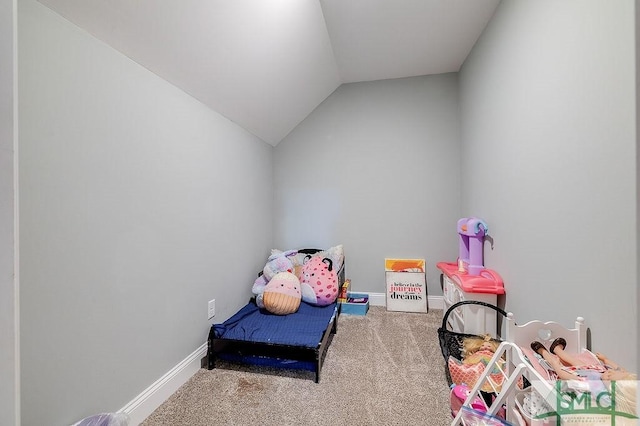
(267, 64)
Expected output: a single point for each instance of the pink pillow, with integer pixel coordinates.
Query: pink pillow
(588, 358)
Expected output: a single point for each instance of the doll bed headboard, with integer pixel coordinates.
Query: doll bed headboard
(546, 333)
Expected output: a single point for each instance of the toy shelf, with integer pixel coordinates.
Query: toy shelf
(468, 279)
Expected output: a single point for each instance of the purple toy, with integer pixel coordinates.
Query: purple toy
(472, 232)
(469, 273)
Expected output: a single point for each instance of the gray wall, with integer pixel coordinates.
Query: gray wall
(137, 205)
(375, 168)
(8, 281)
(637, 21)
(548, 153)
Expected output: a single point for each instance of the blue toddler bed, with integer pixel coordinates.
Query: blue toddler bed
(258, 337)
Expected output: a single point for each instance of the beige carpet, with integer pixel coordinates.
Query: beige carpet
(384, 368)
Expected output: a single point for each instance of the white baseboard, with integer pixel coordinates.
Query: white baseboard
(377, 299)
(151, 398)
(436, 302)
(380, 299)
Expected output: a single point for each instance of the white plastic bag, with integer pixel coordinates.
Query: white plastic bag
(105, 419)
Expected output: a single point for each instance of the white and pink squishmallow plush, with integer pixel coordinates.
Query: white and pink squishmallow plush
(281, 295)
(319, 281)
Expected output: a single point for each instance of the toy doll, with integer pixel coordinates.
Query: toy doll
(568, 366)
(473, 345)
(596, 377)
(477, 352)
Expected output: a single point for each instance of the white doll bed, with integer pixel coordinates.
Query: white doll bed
(518, 366)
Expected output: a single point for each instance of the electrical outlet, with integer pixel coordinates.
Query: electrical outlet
(211, 308)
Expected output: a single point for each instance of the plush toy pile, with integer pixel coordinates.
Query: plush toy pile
(290, 277)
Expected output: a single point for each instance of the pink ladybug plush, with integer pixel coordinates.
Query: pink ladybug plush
(318, 281)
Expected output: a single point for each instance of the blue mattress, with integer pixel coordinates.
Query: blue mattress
(304, 328)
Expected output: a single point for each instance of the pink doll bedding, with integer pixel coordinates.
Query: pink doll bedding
(471, 368)
(586, 356)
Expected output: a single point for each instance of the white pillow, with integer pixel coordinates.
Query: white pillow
(335, 254)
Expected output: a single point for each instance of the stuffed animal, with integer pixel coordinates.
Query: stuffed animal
(282, 295)
(319, 281)
(277, 262)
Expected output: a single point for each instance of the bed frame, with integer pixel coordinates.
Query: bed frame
(518, 367)
(243, 348)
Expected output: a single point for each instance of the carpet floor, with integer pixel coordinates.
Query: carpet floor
(384, 368)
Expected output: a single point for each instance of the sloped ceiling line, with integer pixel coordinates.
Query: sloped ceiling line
(266, 65)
